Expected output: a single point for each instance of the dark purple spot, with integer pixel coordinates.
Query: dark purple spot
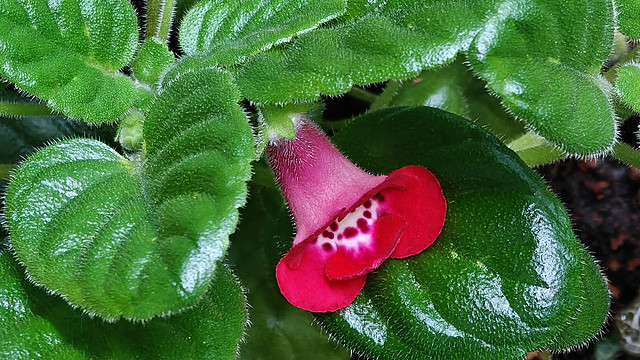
(350, 232)
(367, 204)
(361, 223)
(327, 247)
(314, 239)
(367, 214)
(327, 234)
(334, 226)
(380, 198)
(339, 236)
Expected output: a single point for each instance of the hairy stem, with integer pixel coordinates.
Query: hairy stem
(387, 95)
(363, 95)
(9, 108)
(160, 18)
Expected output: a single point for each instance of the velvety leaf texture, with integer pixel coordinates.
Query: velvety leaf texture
(521, 48)
(505, 277)
(230, 31)
(69, 53)
(628, 15)
(628, 85)
(36, 325)
(152, 61)
(143, 237)
(278, 330)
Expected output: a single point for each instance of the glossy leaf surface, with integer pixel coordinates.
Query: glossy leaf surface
(34, 325)
(520, 48)
(278, 330)
(231, 31)
(628, 18)
(69, 53)
(505, 277)
(138, 238)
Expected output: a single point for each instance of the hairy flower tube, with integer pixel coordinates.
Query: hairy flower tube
(348, 222)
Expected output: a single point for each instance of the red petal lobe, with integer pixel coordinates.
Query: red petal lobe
(416, 197)
(307, 287)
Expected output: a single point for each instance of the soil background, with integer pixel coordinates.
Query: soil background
(603, 199)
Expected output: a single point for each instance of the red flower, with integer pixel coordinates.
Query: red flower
(348, 221)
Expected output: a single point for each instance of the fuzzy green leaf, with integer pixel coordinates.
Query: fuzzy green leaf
(278, 330)
(231, 31)
(36, 325)
(628, 85)
(522, 49)
(629, 18)
(505, 277)
(138, 238)
(152, 61)
(69, 53)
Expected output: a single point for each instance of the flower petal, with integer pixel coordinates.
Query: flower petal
(375, 244)
(414, 194)
(303, 283)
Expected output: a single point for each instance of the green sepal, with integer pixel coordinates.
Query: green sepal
(277, 120)
(231, 31)
(628, 85)
(34, 325)
(628, 13)
(153, 59)
(278, 330)
(505, 277)
(138, 238)
(69, 53)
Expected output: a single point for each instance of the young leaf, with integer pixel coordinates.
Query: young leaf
(628, 14)
(521, 50)
(138, 238)
(153, 59)
(231, 31)
(628, 85)
(69, 53)
(278, 330)
(36, 325)
(506, 275)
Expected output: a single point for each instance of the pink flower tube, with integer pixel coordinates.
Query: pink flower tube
(347, 221)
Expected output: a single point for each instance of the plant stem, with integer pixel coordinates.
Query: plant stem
(627, 154)
(9, 108)
(5, 170)
(159, 18)
(387, 95)
(612, 73)
(534, 150)
(363, 95)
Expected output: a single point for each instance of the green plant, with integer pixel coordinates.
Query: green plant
(142, 232)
